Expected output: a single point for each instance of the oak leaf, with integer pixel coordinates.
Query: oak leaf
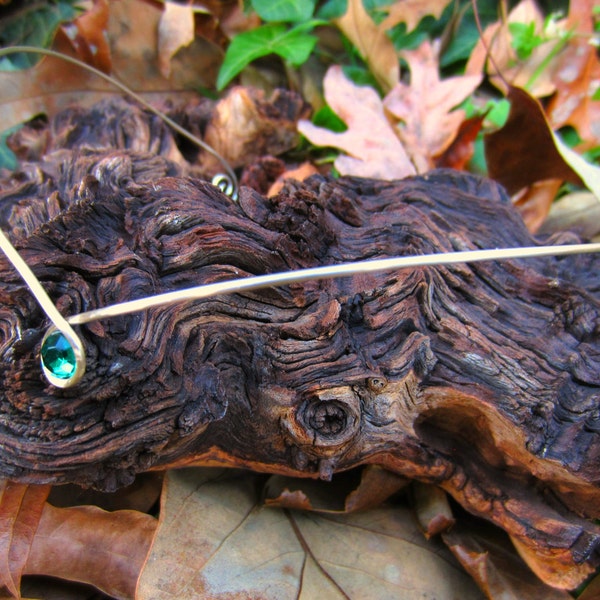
(577, 77)
(412, 11)
(175, 31)
(425, 108)
(216, 541)
(372, 42)
(497, 39)
(372, 148)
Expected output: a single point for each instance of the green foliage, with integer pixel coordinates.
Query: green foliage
(524, 39)
(33, 25)
(293, 45)
(8, 160)
(288, 11)
(326, 117)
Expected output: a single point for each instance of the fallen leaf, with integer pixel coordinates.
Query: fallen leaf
(461, 150)
(20, 512)
(531, 73)
(534, 202)
(412, 11)
(88, 36)
(372, 42)
(215, 541)
(578, 212)
(432, 509)
(246, 125)
(346, 493)
(523, 151)
(426, 106)
(89, 545)
(175, 31)
(372, 147)
(486, 553)
(577, 77)
(300, 173)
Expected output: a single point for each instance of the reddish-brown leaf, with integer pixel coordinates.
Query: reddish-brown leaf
(20, 513)
(461, 150)
(577, 77)
(412, 11)
(523, 152)
(90, 545)
(486, 553)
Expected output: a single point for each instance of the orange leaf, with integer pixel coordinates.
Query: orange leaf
(374, 45)
(372, 146)
(412, 11)
(425, 106)
(90, 545)
(20, 512)
(461, 150)
(577, 77)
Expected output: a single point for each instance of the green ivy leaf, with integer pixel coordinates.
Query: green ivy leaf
(289, 11)
(293, 45)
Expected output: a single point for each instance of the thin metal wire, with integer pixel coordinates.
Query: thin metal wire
(46, 304)
(231, 176)
(326, 272)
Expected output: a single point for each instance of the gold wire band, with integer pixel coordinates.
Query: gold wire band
(46, 304)
(327, 272)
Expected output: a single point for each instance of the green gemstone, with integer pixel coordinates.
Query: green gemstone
(58, 357)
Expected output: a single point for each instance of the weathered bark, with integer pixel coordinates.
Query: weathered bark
(483, 379)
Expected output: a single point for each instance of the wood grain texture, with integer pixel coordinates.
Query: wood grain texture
(483, 379)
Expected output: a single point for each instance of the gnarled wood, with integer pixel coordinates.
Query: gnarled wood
(483, 379)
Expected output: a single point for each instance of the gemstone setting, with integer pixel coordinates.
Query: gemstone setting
(58, 357)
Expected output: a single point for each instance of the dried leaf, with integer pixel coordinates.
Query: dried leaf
(373, 148)
(412, 11)
(577, 77)
(90, 545)
(346, 493)
(497, 40)
(20, 512)
(175, 31)
(461, 150)
(578, 212)
(245, 125)
(487, 555)
(300, 173)
(425, 106)
(214, 541)
(432, 509)
(523, 151)
(534, 202)
(88, 36)
(372, 42)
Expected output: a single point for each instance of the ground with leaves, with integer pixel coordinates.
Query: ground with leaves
(376, 88)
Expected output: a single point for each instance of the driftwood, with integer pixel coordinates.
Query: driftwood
(483, 379)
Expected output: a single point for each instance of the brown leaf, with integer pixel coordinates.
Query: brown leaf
(214, 541)
(175, 30)
(534, 202)
(461, 150)
(300, 173)
(432, 509)
(523, 151)
(577, 77)
(372, 42)
(412, 11)
(372, 147)
(497, 42)
(90, 545)
(20, 512)
(578, 212)
(88, 36)
(486, 553)
(346, 493)
(425, 107)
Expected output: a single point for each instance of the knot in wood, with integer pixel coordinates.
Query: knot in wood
(328, 419)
